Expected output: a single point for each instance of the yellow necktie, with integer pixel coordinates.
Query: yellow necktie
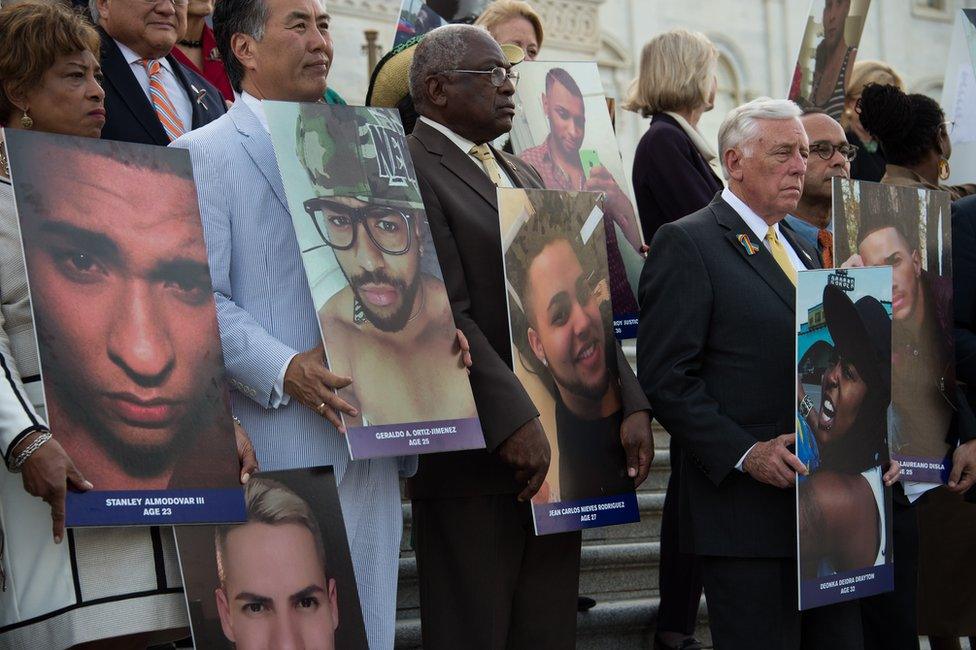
(483, 153)
(780, 255)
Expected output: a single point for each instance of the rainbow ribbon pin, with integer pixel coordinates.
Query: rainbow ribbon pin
(751, 249)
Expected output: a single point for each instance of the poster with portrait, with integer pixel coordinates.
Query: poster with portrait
(421, 16)
(827, 52)
(908, 229)
(959, 97)
(564, 354)
(131, 362)
(384, 312)
(843, 383)
(283, 578)
(563, 129)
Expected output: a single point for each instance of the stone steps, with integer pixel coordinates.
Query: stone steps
(626, 624)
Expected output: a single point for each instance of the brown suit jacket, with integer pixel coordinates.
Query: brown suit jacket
(462, 209)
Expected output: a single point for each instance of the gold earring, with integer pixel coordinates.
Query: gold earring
(943, 169)
(26, 120)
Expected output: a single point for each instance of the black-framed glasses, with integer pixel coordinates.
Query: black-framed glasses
(826, 150)
(337, 225)
(498, 75)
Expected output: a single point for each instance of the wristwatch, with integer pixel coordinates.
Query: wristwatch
(806, 405)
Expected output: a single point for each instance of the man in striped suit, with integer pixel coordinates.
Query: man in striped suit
(150, 98)
(282, 390)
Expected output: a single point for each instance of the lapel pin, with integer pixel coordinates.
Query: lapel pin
(750, 248)
(200, 94)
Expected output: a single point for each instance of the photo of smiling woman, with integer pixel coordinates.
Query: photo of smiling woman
(564, 353)
(131, 360)
(843, 393)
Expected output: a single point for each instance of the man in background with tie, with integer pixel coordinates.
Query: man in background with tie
(486, 581)
(830, 158)
(715, 358)
(150, 98)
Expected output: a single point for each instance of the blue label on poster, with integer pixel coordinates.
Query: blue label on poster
(838, 587)
(625, 327)
(564, 516)
(155, 507)
(415, 438)
(924, 470)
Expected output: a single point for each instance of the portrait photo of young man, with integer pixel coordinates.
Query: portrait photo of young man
(127, 333)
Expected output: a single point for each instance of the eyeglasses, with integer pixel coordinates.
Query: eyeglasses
(948, 125)
(826, 150)
(499, 75)
(337, 225)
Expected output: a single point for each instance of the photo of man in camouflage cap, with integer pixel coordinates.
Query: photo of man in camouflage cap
(390, 323)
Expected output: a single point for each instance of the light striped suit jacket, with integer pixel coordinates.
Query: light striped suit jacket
(264, 306)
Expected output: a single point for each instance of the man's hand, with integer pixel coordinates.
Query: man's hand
(245, 452)
(308, 380)
(464, 351)
(892, 473)
(527, 450)
(47, 474)
(772, 463)
(853, 262)
(617, 206)
(635, 436)
(963, 473)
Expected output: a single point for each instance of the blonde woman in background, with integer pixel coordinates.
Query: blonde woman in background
(514, 22)
(869, 165)
(673, 176)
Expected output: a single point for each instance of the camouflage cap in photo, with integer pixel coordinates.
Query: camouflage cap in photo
(359, 153)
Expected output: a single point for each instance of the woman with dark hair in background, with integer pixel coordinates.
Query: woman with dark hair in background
(914, 137)
(869, 165)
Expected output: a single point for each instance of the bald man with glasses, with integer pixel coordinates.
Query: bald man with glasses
(150, 98)
(830, 158)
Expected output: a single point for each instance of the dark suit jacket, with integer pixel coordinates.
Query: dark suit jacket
(715, 357)
(964, 293)
(671, 178)
(130, 116)
(462, 209)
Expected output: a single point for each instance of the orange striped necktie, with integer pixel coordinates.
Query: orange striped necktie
(165, 110)
(826, 240)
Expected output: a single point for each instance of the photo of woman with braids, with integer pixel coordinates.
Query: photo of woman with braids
(843, 393)
(559, 310)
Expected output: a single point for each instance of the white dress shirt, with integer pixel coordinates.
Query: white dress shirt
(174, 89)
(465, 145)
(759, 228)
(278, 395)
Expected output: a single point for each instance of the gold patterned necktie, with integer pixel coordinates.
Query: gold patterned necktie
(487, 158)
(164, 108)
(780, 255)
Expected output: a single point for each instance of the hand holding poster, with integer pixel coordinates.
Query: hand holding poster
(562, 128)
(843, 353)
(130, 354)
(284, 575)
(564, 354)
(908, 228)
(827, 54)
(383, 309)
